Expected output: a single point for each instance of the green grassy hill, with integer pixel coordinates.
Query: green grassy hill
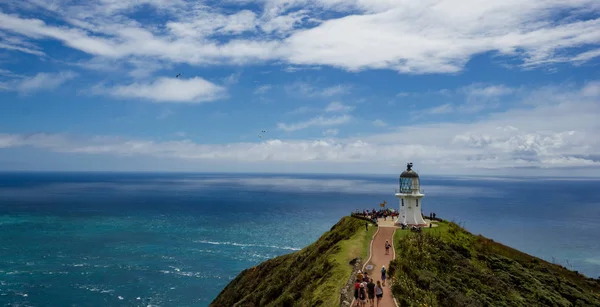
(312, 276)
(442, 266)
(448, 266)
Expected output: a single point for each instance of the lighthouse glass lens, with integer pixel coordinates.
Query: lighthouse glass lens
(406, 185)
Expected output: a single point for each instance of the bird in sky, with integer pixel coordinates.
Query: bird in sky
(260, 135)
(177, 76)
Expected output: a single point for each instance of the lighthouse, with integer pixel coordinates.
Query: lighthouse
(410, 194)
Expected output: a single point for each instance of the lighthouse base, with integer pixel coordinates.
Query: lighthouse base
(410, 210)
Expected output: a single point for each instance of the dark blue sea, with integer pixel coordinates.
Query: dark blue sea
(112, 239)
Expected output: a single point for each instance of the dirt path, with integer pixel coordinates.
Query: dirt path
(377, 259)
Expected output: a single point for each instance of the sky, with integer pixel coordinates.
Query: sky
(355, 86)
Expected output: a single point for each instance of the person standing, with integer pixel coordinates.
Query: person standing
(371, 292)
(356, 293)
(367, 226)
(378, 292)
(362, 295)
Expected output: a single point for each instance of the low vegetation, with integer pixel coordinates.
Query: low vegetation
(312, 276)
(448, 266)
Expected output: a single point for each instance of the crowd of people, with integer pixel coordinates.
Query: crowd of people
(377, 214)
(384, 214)
(365, 290)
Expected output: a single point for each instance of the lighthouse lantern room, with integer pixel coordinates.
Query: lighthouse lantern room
(410, 194)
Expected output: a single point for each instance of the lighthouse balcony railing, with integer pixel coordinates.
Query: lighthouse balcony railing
(409, 191)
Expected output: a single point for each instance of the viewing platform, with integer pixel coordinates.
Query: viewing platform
(409, 191)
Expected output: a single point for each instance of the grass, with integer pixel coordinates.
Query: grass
(312, 276)
(356, 246)
(448, 266)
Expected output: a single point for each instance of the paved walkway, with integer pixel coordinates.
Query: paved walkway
(378, 258)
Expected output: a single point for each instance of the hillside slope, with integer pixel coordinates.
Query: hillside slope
(448, 266)
(312, 276)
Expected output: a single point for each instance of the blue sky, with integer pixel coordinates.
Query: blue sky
(501, 87)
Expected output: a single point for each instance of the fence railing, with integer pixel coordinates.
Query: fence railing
(409, 191)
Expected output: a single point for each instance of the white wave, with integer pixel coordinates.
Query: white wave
(247, 245)
(255, 255)
(595, 261)
(96, 289)
(175, 268)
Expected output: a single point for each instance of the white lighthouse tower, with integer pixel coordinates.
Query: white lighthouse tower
(410, 194)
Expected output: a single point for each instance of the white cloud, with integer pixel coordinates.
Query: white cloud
(440, 109)
(42, 81)
(473, 98)
(549, 131)
(233, 78)
(586, 56)
(176, 90)
(335, 90)
(379, 123)
(315, 121)
(303, 110)
(309, 90)
(263, 89)
(337, 106)
(292, 69)
(489, 91)
(443, 35)
(22, 49)
(422, 37)
(331, 132)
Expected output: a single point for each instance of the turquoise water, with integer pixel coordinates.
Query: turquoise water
(178, 239)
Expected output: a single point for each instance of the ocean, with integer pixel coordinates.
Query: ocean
(141, 239)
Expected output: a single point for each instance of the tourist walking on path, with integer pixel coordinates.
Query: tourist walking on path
(379, 259)
(371, 292)
(362, 295)
(387, 247)
(356, 292)
(378, 292)
(383, 274)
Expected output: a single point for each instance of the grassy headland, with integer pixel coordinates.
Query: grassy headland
(442, 266)
(312, 276)
(448, 266)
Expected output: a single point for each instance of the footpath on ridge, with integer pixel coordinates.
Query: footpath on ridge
(379, 258)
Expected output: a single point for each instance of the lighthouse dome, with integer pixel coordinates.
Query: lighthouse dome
(409, 180)
(409, 173)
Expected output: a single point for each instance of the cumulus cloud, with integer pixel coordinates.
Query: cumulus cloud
(471, 99)
(486, 91)
(40, 82)
(337, 106)
(174, 90)
(379, 123)
(309, 90)
(318, 121)
(546, 131)
(263, 89)
(438, 36)
(331, 132)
